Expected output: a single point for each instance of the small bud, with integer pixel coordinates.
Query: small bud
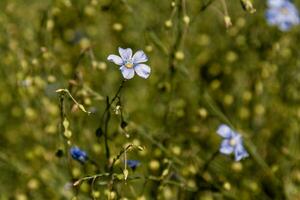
(102, 66)
(154, 165)
(227, 21)
(227, 186)
(82, 108)
(51, 79)
(237, 166)
(125, 172)
(228, 99)
(66, 123)
(149, 48)
(176, 150)
(117, 27)
(141, 148)
(96, 194)
(94, 64)
(168, 23)
(77, 183)
(118, 110)
(202, 112)
(59, 90)
(123, 124)
(59, 153)
(50, 25)
(186, 19)
(179, 55)
(247, 6)
(165, 173)
(259, 109)
(99, 132)
(68, 134)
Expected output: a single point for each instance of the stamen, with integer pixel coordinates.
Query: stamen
(284, 11)
(232, 142)
(129, 65)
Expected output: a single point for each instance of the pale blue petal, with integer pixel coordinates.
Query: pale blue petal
(126, 54)
(271, 16)
(284, 16)
(285, 26)
(139, 57)
(240, 152)
(225, 147)
(224, 131)
(115, 59)
(237, 138)
(275, 3)
(128, 73)
(142, 70)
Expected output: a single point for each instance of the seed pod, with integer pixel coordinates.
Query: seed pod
(99, 132)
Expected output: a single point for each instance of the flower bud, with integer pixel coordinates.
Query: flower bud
(247, 6)
(227, 21)
(168, 23)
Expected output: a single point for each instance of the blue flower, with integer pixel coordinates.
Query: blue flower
(232, 143)
(133, 164)
(284, 15)
(131, 64)
(78, 154)
(275, 3)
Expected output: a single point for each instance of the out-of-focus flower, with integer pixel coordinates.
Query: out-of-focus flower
(78, 154)
(232, 143)
(284, 15)
(275, 3)
(131, 64)
(133, 164)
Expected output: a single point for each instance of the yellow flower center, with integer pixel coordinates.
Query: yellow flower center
(284, 11)
(232, 142)
(129, 65)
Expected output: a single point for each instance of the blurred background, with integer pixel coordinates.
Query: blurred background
(203, 74)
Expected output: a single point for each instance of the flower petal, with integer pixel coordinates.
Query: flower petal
(126, 54)
(78, 154)
(275, 3)
(285, 26)
(115, 59)
(142, 70)
(240, 152)
(225, 131)
(133, 164)
(128, 73)
(225, 147)
(139, 57)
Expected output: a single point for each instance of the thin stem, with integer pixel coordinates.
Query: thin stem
(76, 65)
(209, 161)
(118, 157)
(80, 106)
(65, 140)
(111, 169)
(79, 181)
(106, 117)
(182, 28)
(117, 95)
(224, 7)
